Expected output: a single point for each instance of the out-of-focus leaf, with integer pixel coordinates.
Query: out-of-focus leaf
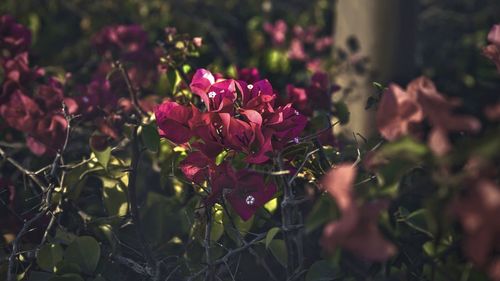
(278, 249)
(84, 251)
(64, 237)
(322, 212)
(150, 137)
(270, 235)
(321, 271)
(242, 226)
(40, 276)
(67, 277)
(48, 256)
(342, 112)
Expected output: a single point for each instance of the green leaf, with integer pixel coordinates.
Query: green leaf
(103, 156)
(114, 197)
(341, 112)
(84, 251)
(99, 278)
(67, 277)
(321, 271)
(39, 276)
(64, 236)
(278, 249)
(220, 157)
(270, 235)
(217, 228)
(322, 212)
(65, 267)
(173, 79)
(242, 226)
(48, 256)
(150, 137)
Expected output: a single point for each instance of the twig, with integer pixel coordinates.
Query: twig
(229, 254)
(209, 274)
(309, 154)
(134, 208)
(23, 170)
(23, 231)
(132, 91)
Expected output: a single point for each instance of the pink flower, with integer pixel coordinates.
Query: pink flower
(48, 136)
(20, 112)
(476, 210)
(397, 112)
(316, 96)
(492, 51)
(249, 75)
(197, 167)
(172, 119)
(277, 31)
(120, 38)
(250, 193)
(14, 37)
(245, 190)
(217, 96)
(357, 230)
(401, 111)
(286, 124)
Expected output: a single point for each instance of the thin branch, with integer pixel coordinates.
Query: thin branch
(231, 253)
(132, 91)
(134, 208)
(209, 274)
(23, 170)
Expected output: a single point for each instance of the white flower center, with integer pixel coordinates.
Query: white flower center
(250, 200)
(250, 86)
(296, 140)
(297, 113)
(212, 94)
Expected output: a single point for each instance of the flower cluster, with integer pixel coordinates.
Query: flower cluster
(237, 117)
(29, 101)
(304, 42)
(102, 98)
(401, 112)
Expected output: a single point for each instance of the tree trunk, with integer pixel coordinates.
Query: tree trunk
(385, 30)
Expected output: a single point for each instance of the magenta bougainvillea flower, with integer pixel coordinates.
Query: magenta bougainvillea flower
(239, 117)
(317, 96)
(172, 119)
(14, 37)
(245, 190)
(26, 105)
(276, 31)
(357, 230)
(249, 75)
